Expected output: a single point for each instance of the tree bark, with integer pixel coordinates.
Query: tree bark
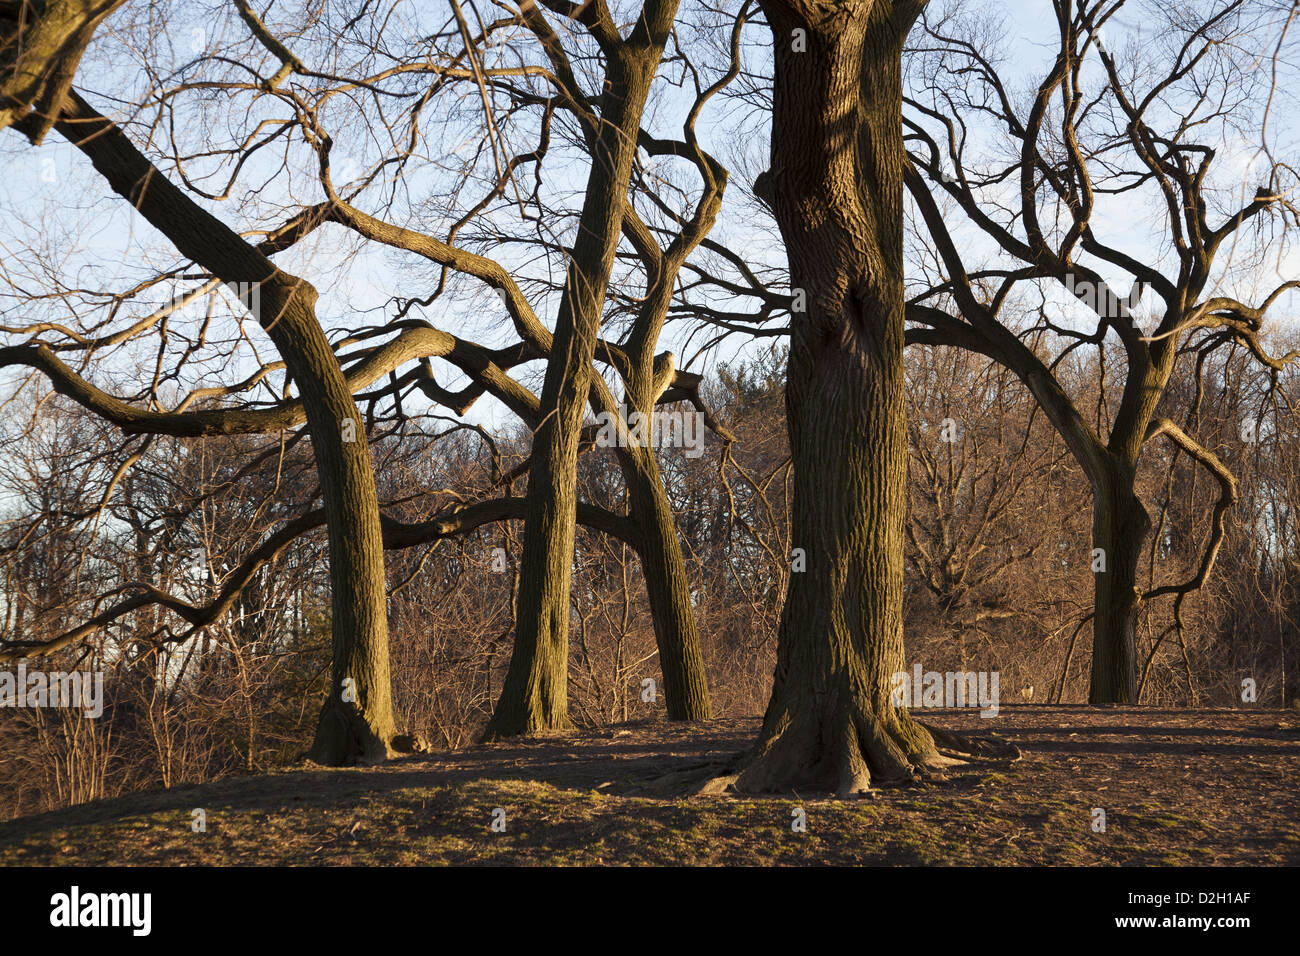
(1119, 528)
(362, 727)
(356, 721)
(686, 687)
(837, 175)
(41, 44)
(534, 697)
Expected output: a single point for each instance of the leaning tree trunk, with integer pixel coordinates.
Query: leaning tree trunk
(1119, 527)
(534, 697)
(357, 721)
(686, 687)
(837, 175)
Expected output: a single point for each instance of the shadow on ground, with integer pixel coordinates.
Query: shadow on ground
(1177, 787)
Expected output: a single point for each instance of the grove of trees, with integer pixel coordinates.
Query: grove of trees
(316, 319)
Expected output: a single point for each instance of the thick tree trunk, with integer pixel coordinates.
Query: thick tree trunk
(1119, 528)
(686, 688)
(41, 44)
(356, 722)
(534, 697)
(837, 173)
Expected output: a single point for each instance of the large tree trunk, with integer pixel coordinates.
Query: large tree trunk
(1119, 528)
(41, 44)
(356, 722)
(534, 697)
(837, 174)
(362, 727)
(686, 688)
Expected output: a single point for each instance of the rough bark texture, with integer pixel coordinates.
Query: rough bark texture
(361, 728)
(686, 688)
(836, 176)
(534, 697)
(1119, 527)
(41, 44)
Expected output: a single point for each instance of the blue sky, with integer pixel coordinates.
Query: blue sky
(59, 207)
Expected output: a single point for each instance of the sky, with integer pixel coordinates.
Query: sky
(58, 207)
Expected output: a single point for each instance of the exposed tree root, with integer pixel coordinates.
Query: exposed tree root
(345, 737)
(713, 776)
(788, 764)
(505, 732)
(841, 753)
(853, 751)
(969, 745)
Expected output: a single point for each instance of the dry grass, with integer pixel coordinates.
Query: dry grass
(1178, 787)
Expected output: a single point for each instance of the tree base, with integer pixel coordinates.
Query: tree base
(500, 732)
(853, 751)
(344, 737)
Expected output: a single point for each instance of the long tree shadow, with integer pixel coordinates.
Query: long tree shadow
(1148, 747)
(643, 759)
(586, 761)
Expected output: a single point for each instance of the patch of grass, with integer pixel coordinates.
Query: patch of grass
(590, 808)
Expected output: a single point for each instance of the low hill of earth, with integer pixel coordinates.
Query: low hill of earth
(1208, 787)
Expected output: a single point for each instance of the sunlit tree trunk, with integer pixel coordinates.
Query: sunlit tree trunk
(836, 184)
(534, 697)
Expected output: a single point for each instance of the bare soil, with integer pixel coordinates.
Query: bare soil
(1178, 787)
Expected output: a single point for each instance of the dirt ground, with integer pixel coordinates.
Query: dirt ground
(1207, 787)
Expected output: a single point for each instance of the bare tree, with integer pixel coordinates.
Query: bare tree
(1142, 128)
